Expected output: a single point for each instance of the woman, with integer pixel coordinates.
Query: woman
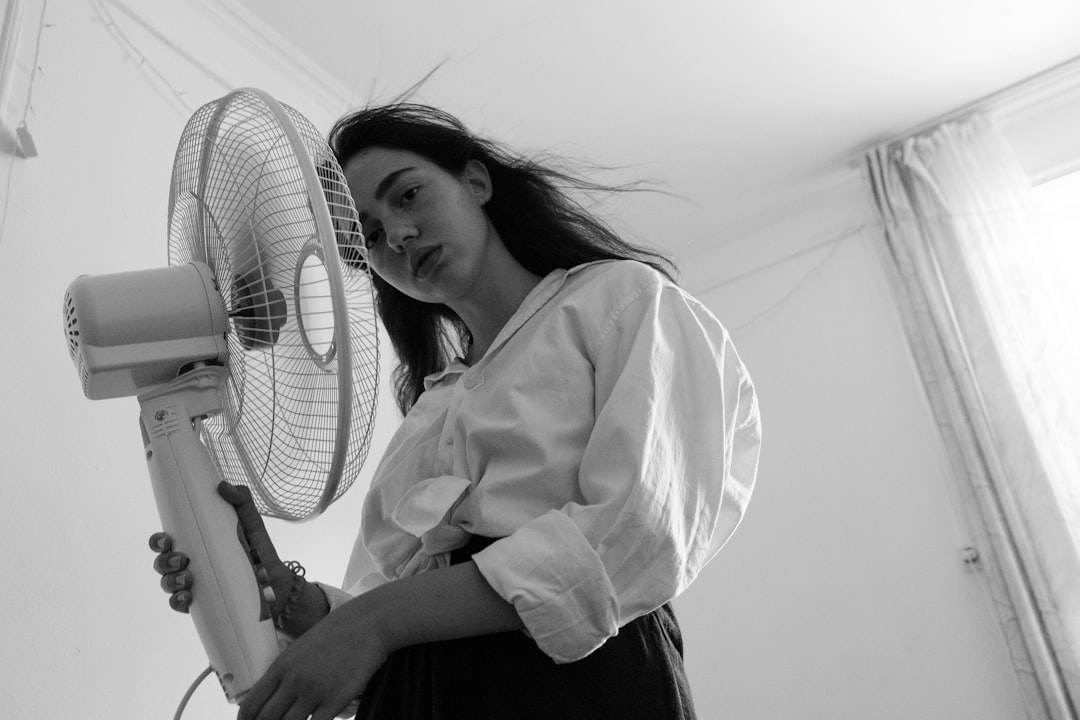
(580, 438)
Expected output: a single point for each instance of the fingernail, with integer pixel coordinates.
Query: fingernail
(174, 561)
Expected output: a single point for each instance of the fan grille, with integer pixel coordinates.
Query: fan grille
(240, 203)
(71, 326)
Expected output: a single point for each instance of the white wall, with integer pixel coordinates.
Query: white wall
(842, 596)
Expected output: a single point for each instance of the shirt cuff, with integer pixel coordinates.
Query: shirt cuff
(557, 583)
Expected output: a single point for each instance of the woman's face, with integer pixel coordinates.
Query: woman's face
(425, 229)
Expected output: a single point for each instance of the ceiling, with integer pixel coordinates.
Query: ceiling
(720, 101)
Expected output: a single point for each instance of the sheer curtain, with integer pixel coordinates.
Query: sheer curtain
(999, 356)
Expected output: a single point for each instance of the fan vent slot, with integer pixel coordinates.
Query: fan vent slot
(71, 327)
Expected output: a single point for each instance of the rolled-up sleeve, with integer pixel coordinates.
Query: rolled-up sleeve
(665, 479)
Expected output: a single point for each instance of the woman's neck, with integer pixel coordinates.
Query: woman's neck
(505, 284)
(486, 322)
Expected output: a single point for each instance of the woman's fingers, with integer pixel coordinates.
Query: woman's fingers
(175, 582)
(172, 566)
(236, 495)
(300, 710)
(160, 542)
(167, 563)
(274, 699)
(259, 542)
(180, 601)
(258, 702)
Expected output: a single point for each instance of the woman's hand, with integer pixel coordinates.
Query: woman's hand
(269, 569)
(331, 664)
(324, 670)
(172, 567)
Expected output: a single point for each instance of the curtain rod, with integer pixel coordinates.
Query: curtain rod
(1012, 98)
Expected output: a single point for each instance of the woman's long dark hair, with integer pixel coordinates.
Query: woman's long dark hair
(531, 208)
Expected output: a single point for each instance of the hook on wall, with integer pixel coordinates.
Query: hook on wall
(24, 141)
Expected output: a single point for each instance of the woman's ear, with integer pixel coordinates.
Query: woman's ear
(476, 177)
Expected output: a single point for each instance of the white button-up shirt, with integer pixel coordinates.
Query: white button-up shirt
(609, 437)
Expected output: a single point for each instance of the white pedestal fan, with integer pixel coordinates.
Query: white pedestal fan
(253, 355)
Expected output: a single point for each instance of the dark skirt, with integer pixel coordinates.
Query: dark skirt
(636, 674)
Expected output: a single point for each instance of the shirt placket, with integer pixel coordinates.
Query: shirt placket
(445, 457)
(450, 459)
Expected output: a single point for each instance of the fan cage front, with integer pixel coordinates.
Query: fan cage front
(240, 203)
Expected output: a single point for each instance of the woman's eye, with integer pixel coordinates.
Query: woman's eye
(408, 195)
(372, 237)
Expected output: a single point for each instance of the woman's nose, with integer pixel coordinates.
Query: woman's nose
(398, 236)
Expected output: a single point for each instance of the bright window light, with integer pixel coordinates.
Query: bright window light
(1059, 200)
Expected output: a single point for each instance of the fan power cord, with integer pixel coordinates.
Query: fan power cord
(191, 691)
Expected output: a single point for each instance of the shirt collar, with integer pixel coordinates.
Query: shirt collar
(539, 296)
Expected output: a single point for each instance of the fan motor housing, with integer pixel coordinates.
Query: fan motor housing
(132, 331)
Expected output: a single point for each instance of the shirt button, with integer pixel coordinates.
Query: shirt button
(450, 440)
(474, 381)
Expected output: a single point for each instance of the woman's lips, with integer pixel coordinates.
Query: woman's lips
(426, 260)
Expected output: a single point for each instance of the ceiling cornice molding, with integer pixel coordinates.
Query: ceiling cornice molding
(1010, 105)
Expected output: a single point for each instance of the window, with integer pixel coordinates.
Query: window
(1059, 201)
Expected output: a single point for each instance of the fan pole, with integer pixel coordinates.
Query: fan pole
(227, 602)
